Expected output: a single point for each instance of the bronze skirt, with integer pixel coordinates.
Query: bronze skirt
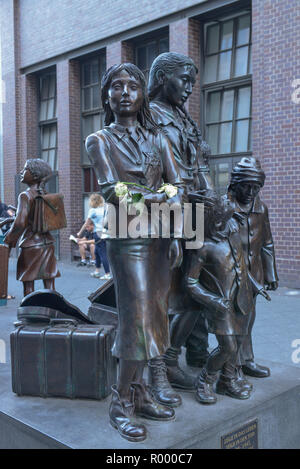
(37, 262)
(141, 271)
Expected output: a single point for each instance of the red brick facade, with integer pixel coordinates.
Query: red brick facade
(276, 124)
(30, 43)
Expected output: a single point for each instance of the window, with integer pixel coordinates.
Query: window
(148, 50)
(48, 118)
(227, 93)
(92, 117)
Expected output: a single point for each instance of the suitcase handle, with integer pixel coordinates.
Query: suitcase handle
(66, 322)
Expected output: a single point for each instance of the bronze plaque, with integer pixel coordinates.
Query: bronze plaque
(245, 437)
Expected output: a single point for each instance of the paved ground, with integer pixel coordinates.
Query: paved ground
(277, 324)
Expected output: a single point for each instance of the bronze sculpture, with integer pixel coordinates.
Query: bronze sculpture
(37, 259)
(217, 277)
(171, 81)
(247, 178)
(131, 149)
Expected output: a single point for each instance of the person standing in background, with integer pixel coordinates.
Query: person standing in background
(96, 216)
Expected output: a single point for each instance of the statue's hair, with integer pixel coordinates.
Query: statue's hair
(39, 168)
(144, 116)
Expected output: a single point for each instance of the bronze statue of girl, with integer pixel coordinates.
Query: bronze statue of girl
(132, 149)
(37, 258)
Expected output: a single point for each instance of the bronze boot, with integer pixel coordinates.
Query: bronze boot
(159, 384)
(251, 368)
(147, 407)
(241, 379)
(228, 386)
(120, 413)
(178, 378)
(204, 384)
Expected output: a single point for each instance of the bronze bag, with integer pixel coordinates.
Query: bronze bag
(49, 213)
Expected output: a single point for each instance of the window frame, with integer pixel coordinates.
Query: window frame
(234, 83)
(155, 37)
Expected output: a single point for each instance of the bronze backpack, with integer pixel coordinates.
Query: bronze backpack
(49, 213)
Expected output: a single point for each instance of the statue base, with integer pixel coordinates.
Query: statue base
(268, 420)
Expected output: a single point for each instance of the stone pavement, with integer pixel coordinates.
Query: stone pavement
(277, 323)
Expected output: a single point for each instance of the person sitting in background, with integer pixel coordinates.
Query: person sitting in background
(85, 241)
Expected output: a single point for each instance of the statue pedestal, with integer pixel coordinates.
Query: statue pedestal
(273, 412)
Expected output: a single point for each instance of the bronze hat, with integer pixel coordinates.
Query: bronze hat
(248, 169)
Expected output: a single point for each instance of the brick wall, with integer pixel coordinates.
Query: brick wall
(276, 124)
(118, 52)
(69, 145)
(10, 149)
(96, 20)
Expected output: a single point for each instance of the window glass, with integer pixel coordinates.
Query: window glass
(213, 138)
(214, 107)
(241, 61)
(224, 65)
(227, 32)
(244, 102)
(225, 138)
(243, 33)
(211, 69)
(241, 136)
(227, 105)
(213, 39)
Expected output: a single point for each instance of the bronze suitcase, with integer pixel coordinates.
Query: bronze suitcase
(63, 359)
(4, 255)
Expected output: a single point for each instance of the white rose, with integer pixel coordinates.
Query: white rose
(121, 189)
(170, 190)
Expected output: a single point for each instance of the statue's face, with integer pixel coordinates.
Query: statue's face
(125, 94)
(179, 85)
(246, 191)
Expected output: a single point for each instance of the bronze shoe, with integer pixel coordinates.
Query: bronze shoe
(120, 413)
(241, 379)
(159, 384)
(178, 378)
(204, 388)
(147, 407)
(257, 371)
(229, 387)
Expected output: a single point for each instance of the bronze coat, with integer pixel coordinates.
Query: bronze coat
(257, 241)
(218, 271)
(185, 144)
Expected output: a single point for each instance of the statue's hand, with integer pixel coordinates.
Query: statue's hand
(175, 253)
(272, 286)
(224, 306)
(263, 293)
